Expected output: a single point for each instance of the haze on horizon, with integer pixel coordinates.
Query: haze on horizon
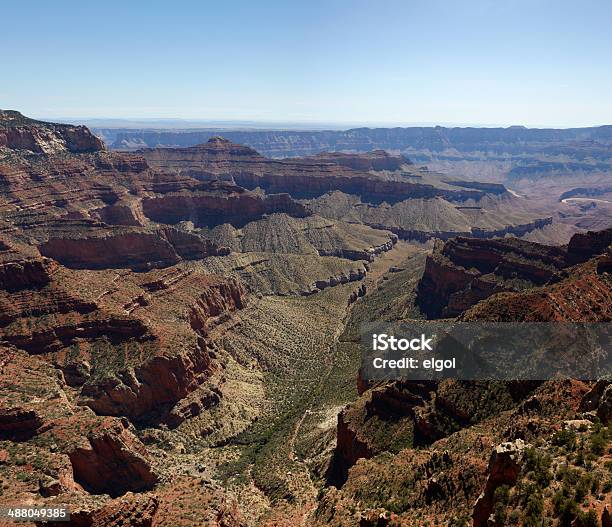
(534, 63)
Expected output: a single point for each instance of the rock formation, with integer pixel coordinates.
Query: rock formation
(504, 468)
(301, 178)
(438, 139)
(364, 162)
(464, 271)
(22, 133)
(114, 462)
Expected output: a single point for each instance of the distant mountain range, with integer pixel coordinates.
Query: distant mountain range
(594, 142)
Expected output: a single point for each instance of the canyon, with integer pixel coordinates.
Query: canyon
(180, 327)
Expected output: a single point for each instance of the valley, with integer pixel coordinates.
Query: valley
(180, 322)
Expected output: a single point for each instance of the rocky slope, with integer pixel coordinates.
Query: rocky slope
(464, 271)
(484, 447)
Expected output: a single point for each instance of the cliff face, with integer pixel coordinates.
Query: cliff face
(375, 160)
(113, 462)
(301, 178)
(20, 273)
(463, 271)
(585, 295)
(583, 246)
(137, 249)
(380, 190)
(129, 344)
(19, 424)
(209, 210)
(369, 189)
(150, 390)
(164, 355)
(20, 133)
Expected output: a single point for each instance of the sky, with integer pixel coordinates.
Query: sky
(503, 62)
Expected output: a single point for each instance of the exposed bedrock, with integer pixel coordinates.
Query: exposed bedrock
(222, 297)
(365, 254)
(516, 230)
(133, 510)
(489, 188)
(113, 461)
(136, 249)
(444, 288)
(120, 214)
(301, 178)
(583, 246)
(21, 133)
(354, 275)
(139, 250)
(599, 400)
(18, 424)
(25, 273)
(359, 424)
(149, 391)
(369, 188)
(190, 246)
(206, 210)
(423, 236)
(504, 468)
(115, 329)
(374, 160)
(534, 262)
(585, 295)
(399, 414)
(463, 271)
(349, 448)
(358, 293)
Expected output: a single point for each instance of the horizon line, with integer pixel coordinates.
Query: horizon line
(270, 124)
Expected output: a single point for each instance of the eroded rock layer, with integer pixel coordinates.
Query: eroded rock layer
(464, 271)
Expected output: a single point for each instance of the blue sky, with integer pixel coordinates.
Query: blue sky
(536, 63)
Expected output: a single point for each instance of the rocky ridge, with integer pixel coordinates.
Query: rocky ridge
(22, 133)
(464, 271)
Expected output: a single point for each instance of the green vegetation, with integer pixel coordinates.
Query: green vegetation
(534, 510)
(537, 466)
(566, 439)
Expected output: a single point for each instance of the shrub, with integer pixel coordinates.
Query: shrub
(565, 508)
(539, 465)
(565, 439)
(534, 510)
(582, 488)
(599, 440)
(587, 519)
